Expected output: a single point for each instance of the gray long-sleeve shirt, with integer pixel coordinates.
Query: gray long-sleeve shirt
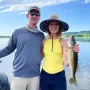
(27, 56)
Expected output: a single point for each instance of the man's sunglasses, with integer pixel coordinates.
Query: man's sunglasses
(34, 13)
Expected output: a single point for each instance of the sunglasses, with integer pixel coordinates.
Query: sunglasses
(34, 13)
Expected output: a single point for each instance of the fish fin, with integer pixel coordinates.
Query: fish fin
(0, 61)
(73, 81)
(78, 67)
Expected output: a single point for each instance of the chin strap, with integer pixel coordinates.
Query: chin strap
(52, 43)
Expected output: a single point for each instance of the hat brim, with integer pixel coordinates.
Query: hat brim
(44, 25)
(35, 10)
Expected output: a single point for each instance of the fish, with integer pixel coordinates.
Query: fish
(73, 60)
(4, 82)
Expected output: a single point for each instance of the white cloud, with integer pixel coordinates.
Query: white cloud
(2, 6)
(23, 13)
(1, 0)
(87, 1)
(26, 1)
(17, 5)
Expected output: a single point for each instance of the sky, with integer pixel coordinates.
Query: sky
(75, 12)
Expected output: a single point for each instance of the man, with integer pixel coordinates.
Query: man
(27, 42)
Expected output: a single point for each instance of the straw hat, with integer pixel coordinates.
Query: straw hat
(53, 18)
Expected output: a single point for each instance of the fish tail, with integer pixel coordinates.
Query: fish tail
(73, 81)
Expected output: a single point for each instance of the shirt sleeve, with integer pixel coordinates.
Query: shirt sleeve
(10, 47)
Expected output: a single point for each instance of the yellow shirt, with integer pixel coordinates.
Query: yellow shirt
(53, 59)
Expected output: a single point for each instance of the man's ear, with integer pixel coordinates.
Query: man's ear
(27, 15)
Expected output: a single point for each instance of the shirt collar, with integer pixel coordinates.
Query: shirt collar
(35, 30)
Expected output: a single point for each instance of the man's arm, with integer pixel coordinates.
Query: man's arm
(9, 48)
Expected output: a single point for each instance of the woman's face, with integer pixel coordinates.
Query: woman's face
(54, 27)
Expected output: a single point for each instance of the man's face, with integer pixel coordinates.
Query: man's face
(34, 16)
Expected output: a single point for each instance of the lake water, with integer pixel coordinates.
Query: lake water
(82, 75)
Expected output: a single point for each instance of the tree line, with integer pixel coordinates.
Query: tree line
(78, 34)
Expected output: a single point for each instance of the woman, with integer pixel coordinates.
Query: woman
(55, 53)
